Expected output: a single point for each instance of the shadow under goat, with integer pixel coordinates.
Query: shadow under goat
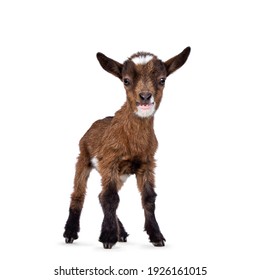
(123, 145)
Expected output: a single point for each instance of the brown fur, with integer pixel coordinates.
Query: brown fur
(123, 145)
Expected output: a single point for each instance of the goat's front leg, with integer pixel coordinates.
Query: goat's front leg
(109, 200)
(146, 186)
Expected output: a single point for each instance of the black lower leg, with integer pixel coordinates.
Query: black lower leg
(109, 200)
(151, 226)
(72, 226)
(122, 236)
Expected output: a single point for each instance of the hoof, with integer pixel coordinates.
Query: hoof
(69, 239)
(108, 245)
(108, 238)
(70, 235)
(159, 243)
(122, 239)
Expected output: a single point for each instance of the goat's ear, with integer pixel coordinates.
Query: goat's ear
(177, 61)
(110, 65)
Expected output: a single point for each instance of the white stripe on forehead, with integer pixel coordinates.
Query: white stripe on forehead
(142, 59)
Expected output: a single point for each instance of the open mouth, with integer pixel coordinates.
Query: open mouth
(145, 109)
(145, 106)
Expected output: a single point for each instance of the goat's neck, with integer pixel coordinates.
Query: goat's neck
(132, 123)
(136, 135)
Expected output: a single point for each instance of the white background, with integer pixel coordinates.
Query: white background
(52, 88)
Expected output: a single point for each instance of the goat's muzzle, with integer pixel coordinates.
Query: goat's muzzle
(145, 105)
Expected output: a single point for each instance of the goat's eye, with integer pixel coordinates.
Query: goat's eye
(162, 81)
(126, 82)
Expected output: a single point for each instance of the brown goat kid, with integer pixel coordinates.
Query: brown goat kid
(123, 145)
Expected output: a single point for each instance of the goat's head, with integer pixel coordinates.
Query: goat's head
(143, 76)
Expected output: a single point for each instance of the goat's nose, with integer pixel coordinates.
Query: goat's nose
(145, 96)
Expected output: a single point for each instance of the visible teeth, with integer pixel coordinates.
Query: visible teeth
(145, 104)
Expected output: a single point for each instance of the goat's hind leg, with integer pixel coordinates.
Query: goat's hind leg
(72, 227)
(122, 235)
(109, 200)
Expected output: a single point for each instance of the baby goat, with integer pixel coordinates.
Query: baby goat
(123, 145)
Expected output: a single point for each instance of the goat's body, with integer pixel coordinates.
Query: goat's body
(123, 145)
(115, 148)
